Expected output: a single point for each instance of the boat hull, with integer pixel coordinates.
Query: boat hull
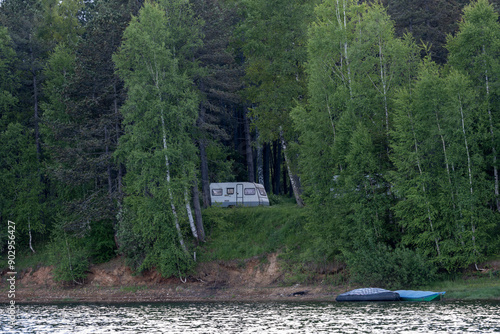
(419, 296)
(368, 295)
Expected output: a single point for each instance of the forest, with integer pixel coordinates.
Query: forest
(379, 119)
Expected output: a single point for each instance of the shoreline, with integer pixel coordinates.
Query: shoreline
(115, 282)
(218, 281)
(183, 292)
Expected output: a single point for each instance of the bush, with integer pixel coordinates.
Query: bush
(70, 258)
(382, 266)
(101, 242)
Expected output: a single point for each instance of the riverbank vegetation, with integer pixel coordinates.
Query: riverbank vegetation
(374, 127)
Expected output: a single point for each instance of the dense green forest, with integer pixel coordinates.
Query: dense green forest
(380, 119)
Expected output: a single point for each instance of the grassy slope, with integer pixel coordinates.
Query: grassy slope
(241, 233)
(469, 287)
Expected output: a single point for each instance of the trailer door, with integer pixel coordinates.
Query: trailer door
(239, 194)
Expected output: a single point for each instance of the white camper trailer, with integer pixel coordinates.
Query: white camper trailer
(238, 193)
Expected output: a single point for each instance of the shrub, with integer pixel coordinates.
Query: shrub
(70, 258)
(379, 265)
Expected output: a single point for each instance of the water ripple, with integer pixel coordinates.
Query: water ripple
(439, 317)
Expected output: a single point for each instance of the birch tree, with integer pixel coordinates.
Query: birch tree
(159, 114)
(415, 182)
(475, 50)
(355, 66)
(473, 224)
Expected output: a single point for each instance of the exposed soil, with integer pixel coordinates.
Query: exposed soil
(258, 279)
(114, 282)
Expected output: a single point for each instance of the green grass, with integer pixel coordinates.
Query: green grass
(480, 286)
(242, 233)
(27, 259)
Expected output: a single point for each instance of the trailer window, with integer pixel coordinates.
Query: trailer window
(216, 192)
(262, 191)
(229, 191)
(249, 191)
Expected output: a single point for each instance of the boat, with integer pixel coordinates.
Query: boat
(368, 295)
(420, 296)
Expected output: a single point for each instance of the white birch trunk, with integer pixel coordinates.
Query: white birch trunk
(169, 187)
(473, 227)
(293, 182)
(190, 214)
(346, 56)
(29, 232)
(383, 79)
(156, 79)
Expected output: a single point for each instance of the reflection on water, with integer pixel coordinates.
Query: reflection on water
(402, 317)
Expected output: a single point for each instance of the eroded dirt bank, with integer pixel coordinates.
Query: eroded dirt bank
(114, 282)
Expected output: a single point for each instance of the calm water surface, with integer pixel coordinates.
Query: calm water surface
(397, 317)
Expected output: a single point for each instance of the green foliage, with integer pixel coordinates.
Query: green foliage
(21, 190)
(100, 242)
(379, 265)
(8, 79)
(155, 62)
(131, 243)
(220, 166)
(392, 151)
(475, 51)
(280, 199)
(70, 257)
(151, 242)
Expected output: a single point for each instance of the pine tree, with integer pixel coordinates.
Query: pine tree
(83, 120)
(274, 36)
(220, 83)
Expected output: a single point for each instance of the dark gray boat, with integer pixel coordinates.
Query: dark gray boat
(368, 295)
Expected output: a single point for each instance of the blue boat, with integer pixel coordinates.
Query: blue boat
(368, 295)
(420, 296)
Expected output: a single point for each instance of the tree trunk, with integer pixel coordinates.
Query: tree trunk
(29, 232)
(267, 186)
(205, 182)
(108, 158)
(169, 188)
(260, 166)
(285, 188)
(197, 213)
(248, 147)
(293, 178)
(190, 214)
(277, 167)
(469, 168)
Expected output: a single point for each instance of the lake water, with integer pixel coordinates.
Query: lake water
(292, 317)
